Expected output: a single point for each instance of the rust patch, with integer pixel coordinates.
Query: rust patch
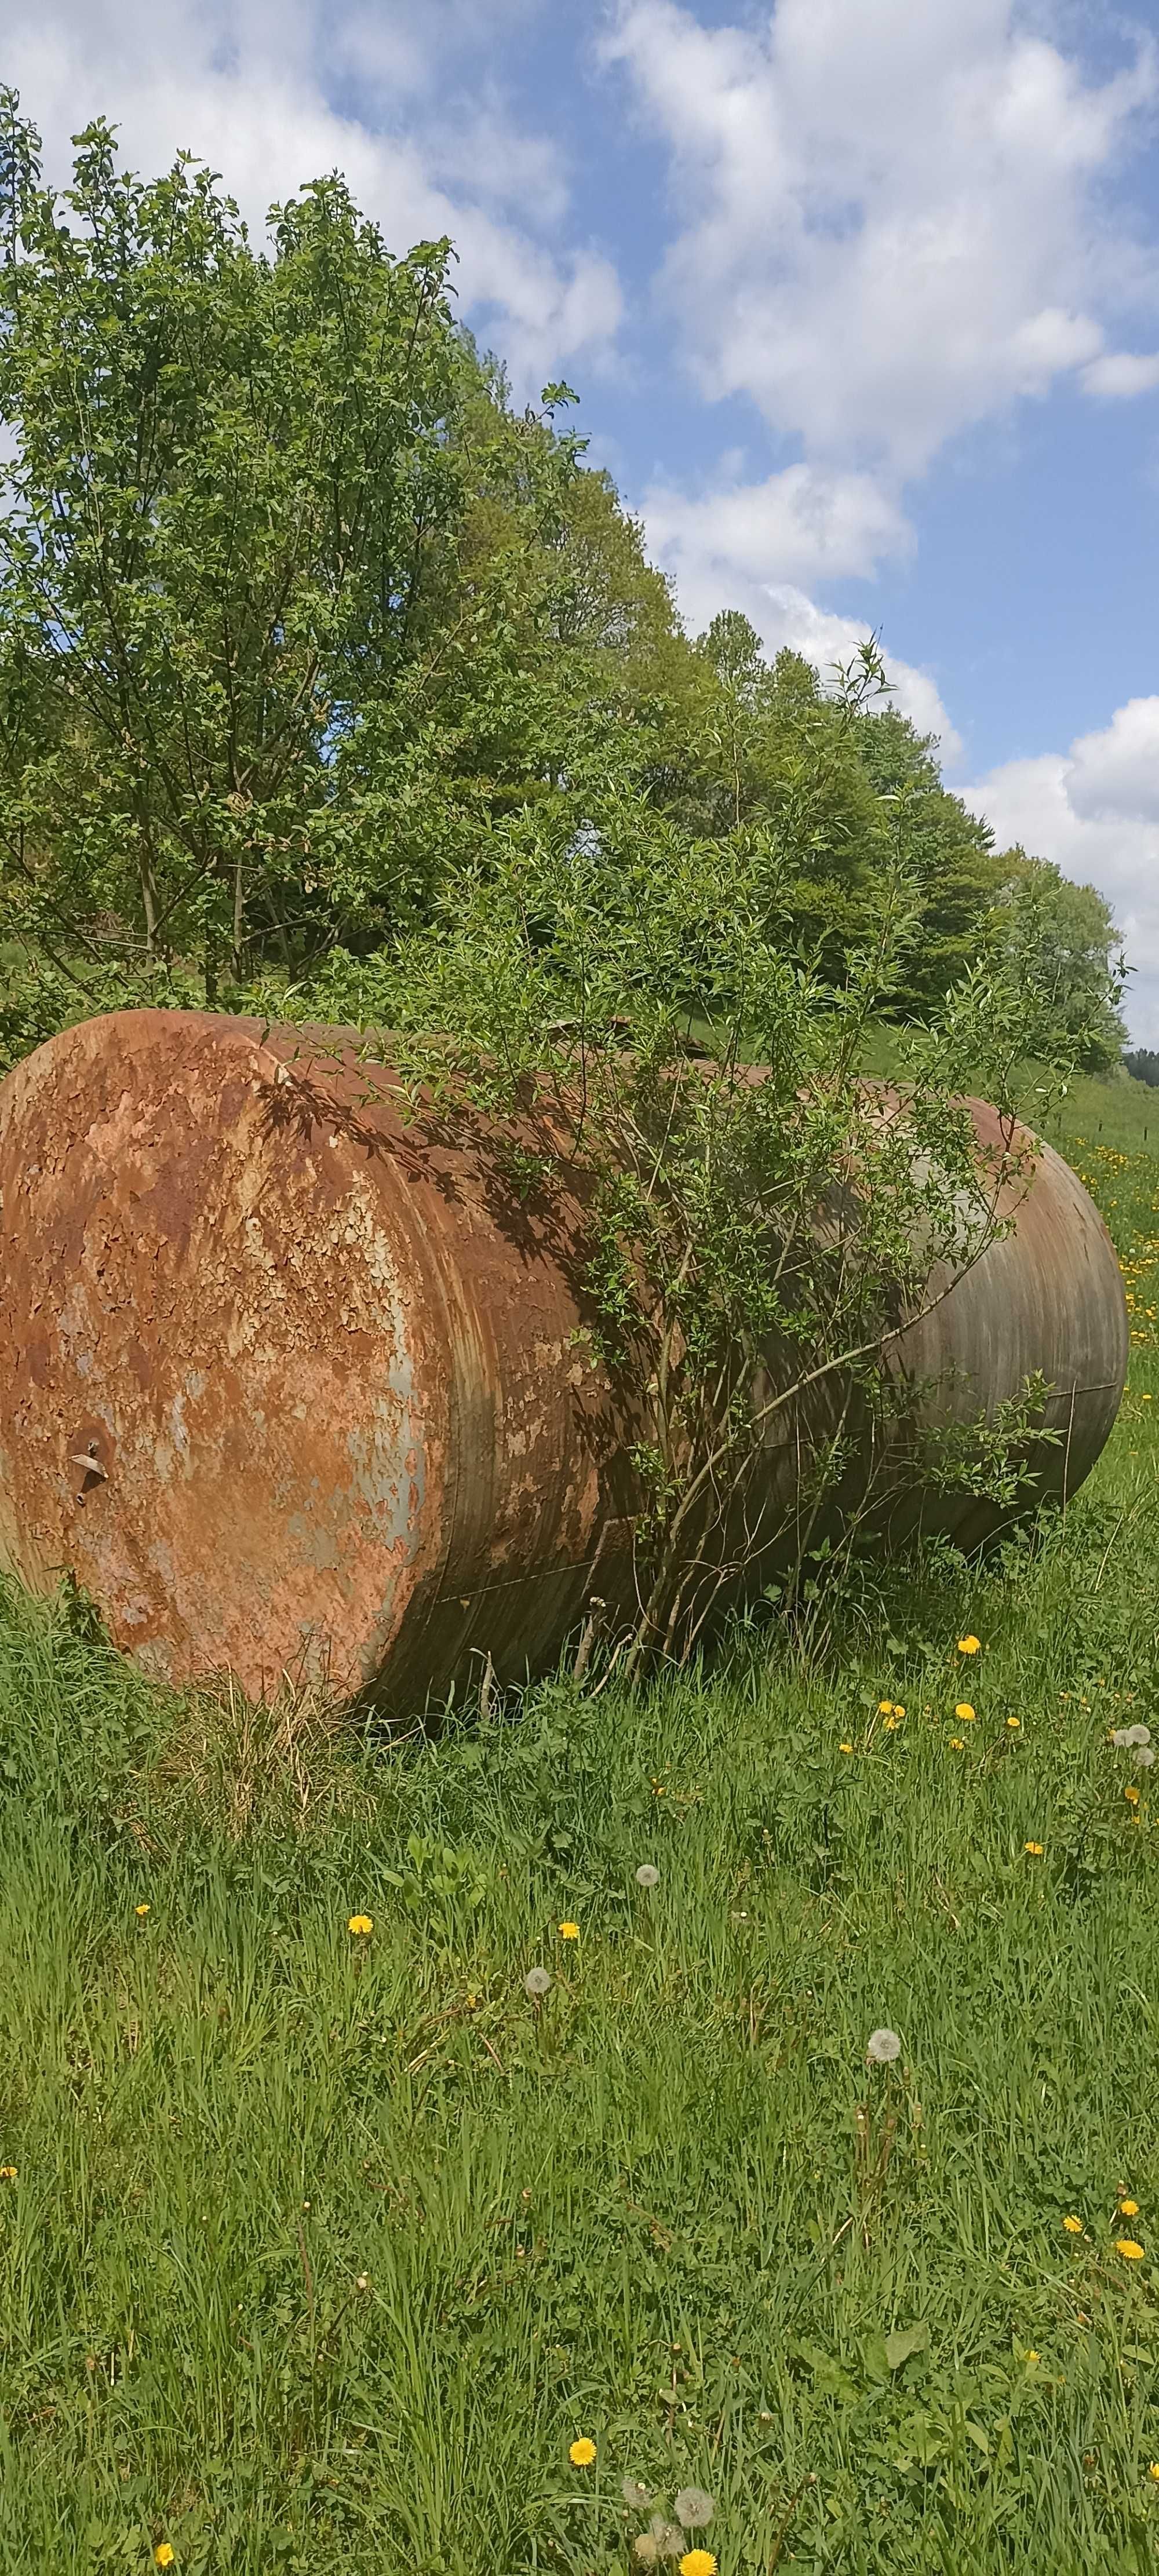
(321, 1360)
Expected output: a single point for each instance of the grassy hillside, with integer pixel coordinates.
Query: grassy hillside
(320, 2248)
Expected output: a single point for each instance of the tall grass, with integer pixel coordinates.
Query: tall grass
(321, 2248)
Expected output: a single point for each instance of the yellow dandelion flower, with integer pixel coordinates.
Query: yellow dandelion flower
(698, 2562)
(1014, 1721)
(845, 1748)
(361, 1925)
(164, 2554)
(1132, 1797)
(1035, 1849)
(582, 2453)
(1073, 2226)
(891, 1723)
(965, 1712)
(957, 1744)
(140, 1911)
(1126, 2246)
(885, 1708)
(1153, 2471)
(568, 1931)
(1128, 2209)
(7, 2173)
(1030, 2358)
(969, 1645)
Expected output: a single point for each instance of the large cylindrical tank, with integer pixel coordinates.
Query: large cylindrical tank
(295, 1387)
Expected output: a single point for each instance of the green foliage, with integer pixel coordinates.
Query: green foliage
(956, 871)
(1062, 938)
(749, 1248)
(284, 585)
(1143, 1064)
(300, 621)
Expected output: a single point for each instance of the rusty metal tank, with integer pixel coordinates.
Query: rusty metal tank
(293, 1387)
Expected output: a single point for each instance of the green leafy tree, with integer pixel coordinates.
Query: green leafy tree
(1061, 939)
(292, 605)
(767, 748)
(225, 503)
(955, 871)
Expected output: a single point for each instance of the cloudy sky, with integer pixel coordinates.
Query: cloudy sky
(861, 297)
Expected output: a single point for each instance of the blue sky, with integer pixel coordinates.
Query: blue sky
(862, 302)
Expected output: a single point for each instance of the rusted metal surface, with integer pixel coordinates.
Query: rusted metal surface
(292, 1387)
(323, 1365)
(1045, 1299)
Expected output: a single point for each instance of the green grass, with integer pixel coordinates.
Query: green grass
(320, 2251)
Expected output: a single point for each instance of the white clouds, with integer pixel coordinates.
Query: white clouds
(892, 218)
(252, 87)
(895, 223)
(1095, 812)
(800, 525)
(1114, 775)
(1119, 376)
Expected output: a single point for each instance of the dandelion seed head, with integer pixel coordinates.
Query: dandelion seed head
(537, 1981)
(1138, 1735)
(636, 2497)
(693, 2508)
(647, 1875)
(668, 2537)
(644, 2548)
(882, 2048)
(1144, 1757)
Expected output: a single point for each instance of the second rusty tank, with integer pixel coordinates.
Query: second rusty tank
(292, 1386)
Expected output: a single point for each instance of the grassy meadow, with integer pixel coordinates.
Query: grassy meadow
(320, 2248)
